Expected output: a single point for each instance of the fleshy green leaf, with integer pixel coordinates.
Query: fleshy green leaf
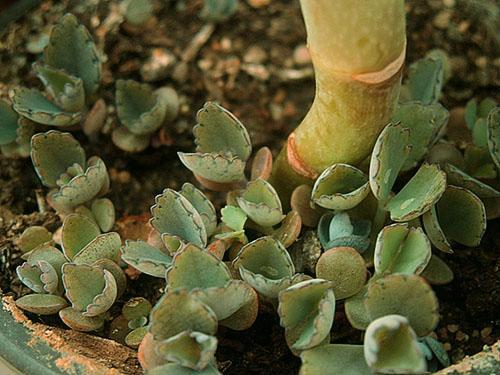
(219, 131)
(419, 194)
(42, 304)
(135, 308)
(202, 204)
(459, 178)
(425, 80)
(175, 369)
(104, 246)
(388, 157)
(221, 168)
(334, 359)
(77, 232)
(425, 123)
(340, 187)
(337, 230)
(31, 103)
(234, 217)
(66, 90)
(400, 249)
(355, 310)
(103, 211)
(33, 237)
(91, 290)
(139, 108)
(146, 258)
(461, 216)
(53, 153)
(128, 141)
(266, 266)
(261, 203)
(406, 295)
(179, 311)
(434, 231)
(437, 272)
(345, 268)
(306, 311)
(190, 349)
(175, 215)
(391, 346)
(72, 49)
(194, 268)
(83, 187)
(75, 320)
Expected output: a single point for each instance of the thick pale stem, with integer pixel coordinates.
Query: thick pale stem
(357, 48)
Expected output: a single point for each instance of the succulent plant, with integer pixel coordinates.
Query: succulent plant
(71, 73)
(85, 271)
(417, 191)
(141, 112)
(60, 162)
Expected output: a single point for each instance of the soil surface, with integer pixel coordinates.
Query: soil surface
(255, 65)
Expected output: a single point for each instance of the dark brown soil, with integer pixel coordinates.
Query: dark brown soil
(270, 101)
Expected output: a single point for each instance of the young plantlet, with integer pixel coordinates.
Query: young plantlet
(141, 111)
(71, 74)
(358, 73)
(15, 132)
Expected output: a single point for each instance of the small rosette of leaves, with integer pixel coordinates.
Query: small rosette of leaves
(59, 161)
(266, 265)
(141, 112)
(338, 230)
(223, 147)
(420, 193)
(71, 73)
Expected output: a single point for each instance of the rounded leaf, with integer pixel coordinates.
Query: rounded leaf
(75, 320)
(190, 349)
(340, 187)
(33, 237)
(91, 290)
(419, 194)
(461, 216)
(334, 359)
(42, 304)
(104, 246)
(345, 268)
(179, 311)
(434, 231)
(103, 211)
(406, 295)
(261, 203)
(220, 168)
(77, 231)
(146, 258)
(32, 104)
(194, 268)
(219, 131)
(307, 311)
(459, 178)
(83, 187)
(400, 249)
(266, 265)
(53, 153)
(388, 157)
(437, 272)
(128, 141)
(139, 108)
(175, 215)
(300, 201)
(72, 49)
(391, 346)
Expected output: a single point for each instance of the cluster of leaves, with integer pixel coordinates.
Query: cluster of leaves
(70, 70)
(418, 192)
